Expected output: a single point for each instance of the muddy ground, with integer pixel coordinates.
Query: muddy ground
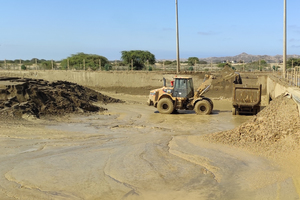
(130, 151)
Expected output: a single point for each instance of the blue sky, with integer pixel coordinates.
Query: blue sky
(55, 29)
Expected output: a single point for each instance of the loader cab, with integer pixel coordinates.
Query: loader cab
(183, 87)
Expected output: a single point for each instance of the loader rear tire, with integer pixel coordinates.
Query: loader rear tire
(165, 106)
(203, 107)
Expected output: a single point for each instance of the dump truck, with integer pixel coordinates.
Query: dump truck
(181, 96)
(246, 99)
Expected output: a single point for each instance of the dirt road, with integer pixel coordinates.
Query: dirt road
(133, 152)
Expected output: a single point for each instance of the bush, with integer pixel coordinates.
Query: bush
(23, 67)
(222, 65)
(107, 67)
(275, 68)
(150, 68)
(191, 68)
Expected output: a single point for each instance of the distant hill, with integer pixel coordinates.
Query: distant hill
(246, 58)
(249, 58)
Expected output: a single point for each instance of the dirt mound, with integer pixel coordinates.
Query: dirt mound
(39, 97)
(275, 128)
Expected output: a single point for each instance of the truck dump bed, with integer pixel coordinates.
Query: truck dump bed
(246, 98)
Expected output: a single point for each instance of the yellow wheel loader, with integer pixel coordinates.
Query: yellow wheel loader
(181, 96)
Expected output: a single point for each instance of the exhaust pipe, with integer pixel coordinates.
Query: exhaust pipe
(164, 81)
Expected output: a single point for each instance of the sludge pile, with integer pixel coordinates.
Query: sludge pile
(39, 97)
(275, 128)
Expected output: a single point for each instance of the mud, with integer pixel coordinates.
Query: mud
(276, 128)
(274, 133)
(131, 151)
(39, 97)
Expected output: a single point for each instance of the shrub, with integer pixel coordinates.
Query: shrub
(23, 67)
(191, 68)
(107, 67)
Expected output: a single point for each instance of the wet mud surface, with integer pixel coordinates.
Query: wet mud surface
(131, 151)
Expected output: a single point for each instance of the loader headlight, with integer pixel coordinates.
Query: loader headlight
(168, 90)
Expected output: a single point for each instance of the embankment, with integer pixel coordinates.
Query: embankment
(137, 82)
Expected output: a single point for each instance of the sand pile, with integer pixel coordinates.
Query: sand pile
(275, 128)
(39, 97)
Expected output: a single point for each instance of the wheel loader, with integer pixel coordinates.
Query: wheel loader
(181, 96)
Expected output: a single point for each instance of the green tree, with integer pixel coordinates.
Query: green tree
(191, 68)
(263, 62)
(138, 57)
(78, 61)
(275, 68)
(293, 62)
(107, 67)
(193, 60)
(168, 62)
(33, 60)
(23, 67)
(48, 64)
(222, 65)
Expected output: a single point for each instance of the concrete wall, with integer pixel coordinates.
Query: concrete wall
(271, 87)
(275, 87)
(104, 78)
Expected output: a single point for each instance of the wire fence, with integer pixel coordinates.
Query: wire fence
(184, 67)
(113, 67)
(292, 76)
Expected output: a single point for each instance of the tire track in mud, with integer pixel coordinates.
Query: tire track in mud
(132, 156)
(8, 181)
(133, 190)
(204, 162)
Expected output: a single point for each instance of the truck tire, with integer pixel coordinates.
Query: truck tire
(233, 111)
(203, 107)
(257, 110)
(165, 106)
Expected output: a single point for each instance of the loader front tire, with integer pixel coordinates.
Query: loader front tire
(203, 107)
(165, 106)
